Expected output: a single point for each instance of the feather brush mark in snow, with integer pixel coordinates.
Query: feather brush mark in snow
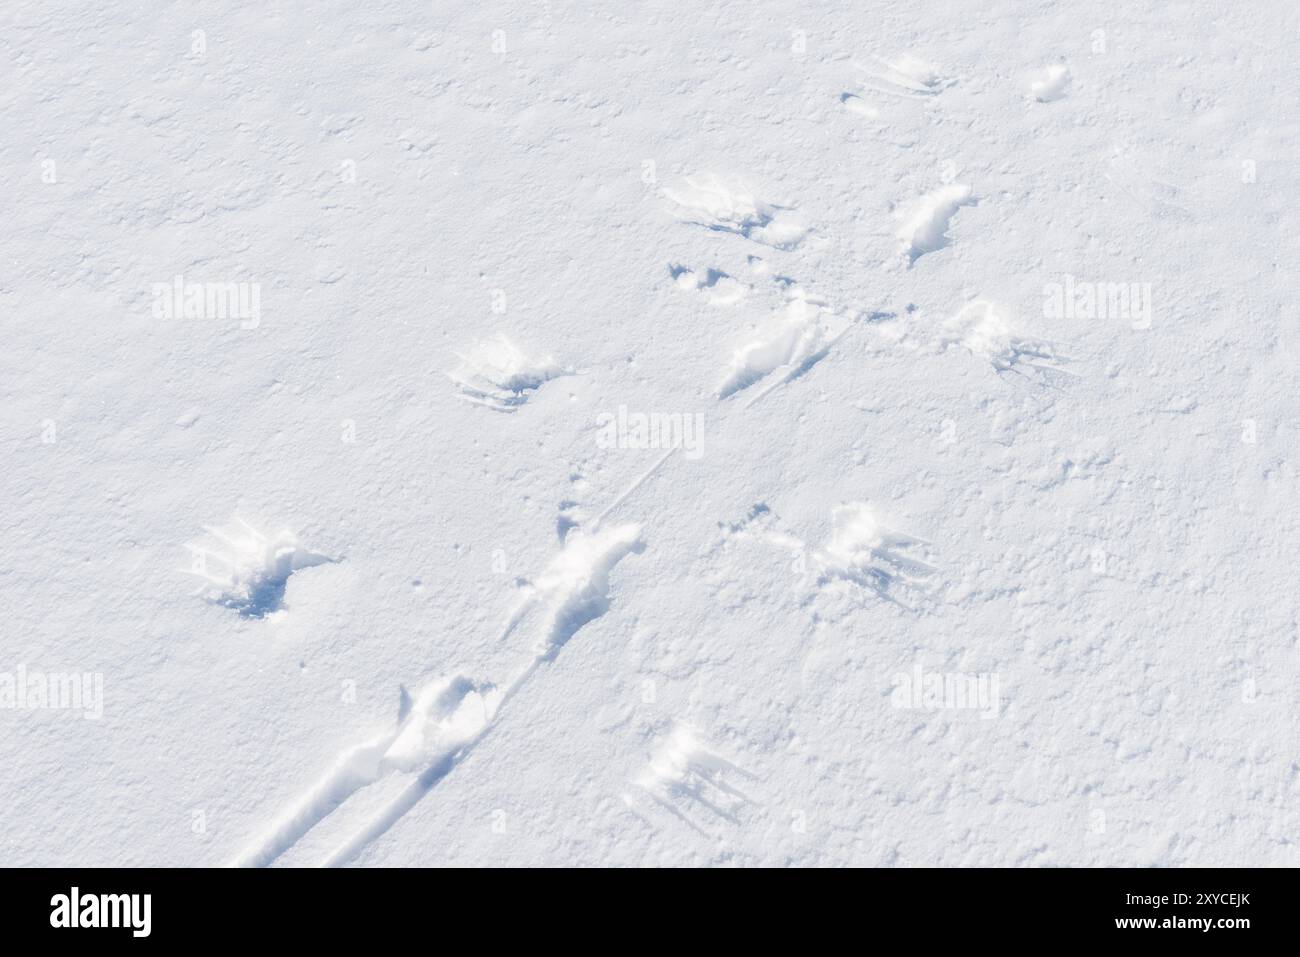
(981, 329)
(496, 374)
(684, 775)
(863, 552)
(249, 571)
(720, 206)
(908, 77)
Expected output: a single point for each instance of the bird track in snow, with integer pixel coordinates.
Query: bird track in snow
(732, 207)
(718, 287)
(925, 228)
(495, 373)
(786, 347)
(862, 552)
(444, 721)
(248, 571)
(451, 714)
(982, 329)
(685, 776)
(907, 76)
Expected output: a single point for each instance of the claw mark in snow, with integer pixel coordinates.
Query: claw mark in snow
(496, 374)
(926, 229)
(251, 570)
(710, 202)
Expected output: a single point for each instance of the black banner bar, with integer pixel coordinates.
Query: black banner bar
(1228, 907)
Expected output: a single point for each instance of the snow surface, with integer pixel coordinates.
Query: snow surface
(986, 314)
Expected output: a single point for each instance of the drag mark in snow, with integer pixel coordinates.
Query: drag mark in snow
(450, 715)
(636, 484)
(446, 715)
(249, 571)
(925, 230)
(720, 206)
(496, 374)
(574, 590)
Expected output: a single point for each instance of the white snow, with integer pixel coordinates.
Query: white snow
(1051, 84)
(979, 549)
(925, 229)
